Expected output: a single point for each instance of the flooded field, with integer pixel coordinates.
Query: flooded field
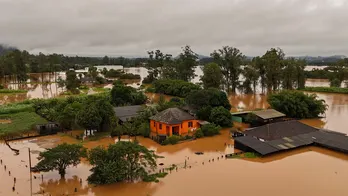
(306, 169)
(44, 85)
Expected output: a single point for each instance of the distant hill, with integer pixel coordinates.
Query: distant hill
(320, 60)
(4, 49)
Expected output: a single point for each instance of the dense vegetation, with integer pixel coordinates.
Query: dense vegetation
(123, 161)
(327, 89)
(319, 74)
(89, 112)
(272, 71)
(208, 97)
(296, 104)
(221, 116)
(178, 88)
(208, 130)
(126, 95)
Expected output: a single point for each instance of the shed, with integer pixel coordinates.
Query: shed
(126, 113)
(268, 114)
(48, 128)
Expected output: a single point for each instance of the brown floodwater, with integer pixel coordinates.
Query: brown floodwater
(305, 169)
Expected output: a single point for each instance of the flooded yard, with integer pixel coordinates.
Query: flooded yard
(306, 169)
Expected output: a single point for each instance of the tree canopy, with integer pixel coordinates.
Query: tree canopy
(60, 157)
(123, 161)
(296, 104)
(212, 76)
(208, 97)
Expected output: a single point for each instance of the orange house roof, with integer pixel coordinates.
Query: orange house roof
(172, 116)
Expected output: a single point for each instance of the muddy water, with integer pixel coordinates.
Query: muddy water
(306, 169)
(36, 88)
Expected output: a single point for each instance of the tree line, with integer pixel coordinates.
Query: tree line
(271, 71)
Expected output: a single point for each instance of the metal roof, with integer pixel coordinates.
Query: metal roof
(125, 113)
(268, 114)
(279, 130)
(325, 138)
(255, 144)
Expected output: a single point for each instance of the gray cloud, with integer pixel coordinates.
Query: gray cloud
(132, 27)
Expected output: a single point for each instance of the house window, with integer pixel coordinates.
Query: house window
(190, 124)
(160, 126)
(154, 124)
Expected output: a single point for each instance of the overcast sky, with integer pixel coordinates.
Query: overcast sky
(132, 27)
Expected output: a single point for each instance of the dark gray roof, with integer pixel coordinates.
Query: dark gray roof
(172, 116)
(325, 138)
(268, 114)
(255, 144)
(279, 130)
(125, 113)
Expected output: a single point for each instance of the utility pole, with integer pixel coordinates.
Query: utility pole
(31, 181)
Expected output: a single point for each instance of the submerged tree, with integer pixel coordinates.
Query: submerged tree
(230, 60)
(273, 60)
(123, 161)
(60, 157)
(212, 76)
(251, 77)
(72, 82)
(186, 64)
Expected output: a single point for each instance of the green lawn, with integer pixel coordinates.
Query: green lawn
(21, 122)
(15, 108)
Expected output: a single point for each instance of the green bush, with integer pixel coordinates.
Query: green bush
(204, 113)
(296, 104)
(130, 76)
(100, 80)
(221, 116)
(210, 129)
(199, 133)
(208, 97)
(171, 140)
(150, 90)
(144, 129)
(178, 88)
(1, 86)
(113, 73)
(154, 177)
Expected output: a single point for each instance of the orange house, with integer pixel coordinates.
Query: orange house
(173, 121)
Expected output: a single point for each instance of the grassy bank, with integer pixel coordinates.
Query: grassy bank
(16, 107)
(326, 89)
(21, 122)
(9, 91)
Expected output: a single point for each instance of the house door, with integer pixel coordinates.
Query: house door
(168, 130)
(175, 130)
